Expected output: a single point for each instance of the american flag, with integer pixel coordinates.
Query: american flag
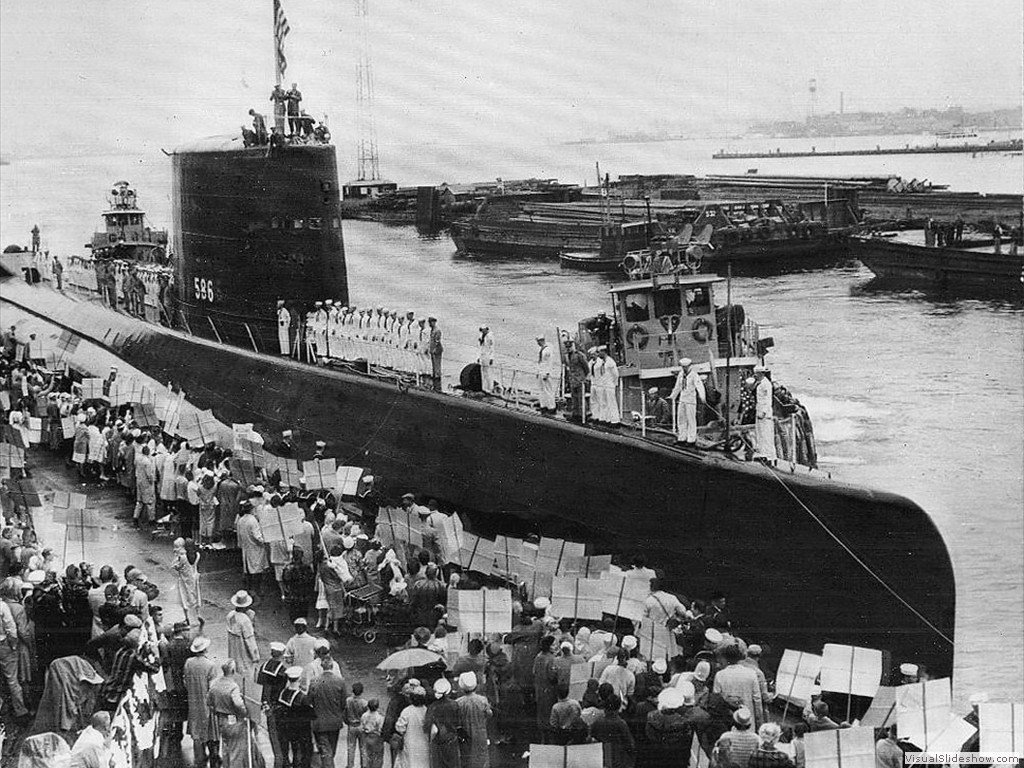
(281, 30)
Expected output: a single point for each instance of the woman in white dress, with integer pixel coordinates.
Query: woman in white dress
(186, 567)
(415, 752)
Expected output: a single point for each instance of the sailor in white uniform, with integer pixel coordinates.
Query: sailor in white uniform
(546, 376)
(311, 342)
(284, 322)
(486, 359)
(764, 426)
(320, 329)
(687, 391)
(604, 388)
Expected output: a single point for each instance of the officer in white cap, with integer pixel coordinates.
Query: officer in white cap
(486, 359)
(764, 425)
(284, 324)
(547, 377)
(689, 389)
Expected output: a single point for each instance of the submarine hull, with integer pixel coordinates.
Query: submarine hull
(803, 560)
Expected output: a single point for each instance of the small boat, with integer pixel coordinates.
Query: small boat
(973, 266)
(590, 261)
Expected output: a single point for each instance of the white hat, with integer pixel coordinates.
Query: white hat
(467, 681)
(321, 444)
(293, 673)
(652, 391)
(200, 644)
(629, 642)
(712, 635)
(702, 671)
(541, 337)
(286, 433)
(542, 603)
(566, 645)
(660, 666)
(754, 649)
(322, 642)
(685, 362)
(908, 670)
(276, 647)
(348, 542)
(442, 687)
(300, 620)
(241, 599)
(670, 698)
(689, 693)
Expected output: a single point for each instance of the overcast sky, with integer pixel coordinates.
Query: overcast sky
(134, 75)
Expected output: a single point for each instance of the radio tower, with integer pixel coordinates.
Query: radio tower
(812, 86)
(369, 163)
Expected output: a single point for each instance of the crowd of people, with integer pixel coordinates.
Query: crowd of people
(463, 704)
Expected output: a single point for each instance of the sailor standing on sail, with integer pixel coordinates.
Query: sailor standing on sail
(545, 376)
(764, 427)
(284, 321)
(687, 391)
(486, 359)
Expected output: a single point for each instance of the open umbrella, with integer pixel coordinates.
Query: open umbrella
(410, 657)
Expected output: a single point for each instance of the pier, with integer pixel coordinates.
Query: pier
(1014, 145)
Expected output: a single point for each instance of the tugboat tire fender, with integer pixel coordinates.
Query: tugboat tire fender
(702, 330)
(637, 337)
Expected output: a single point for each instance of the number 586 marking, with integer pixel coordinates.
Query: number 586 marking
(203, 288)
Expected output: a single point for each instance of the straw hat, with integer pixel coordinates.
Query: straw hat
(241, 599)
(200, 644)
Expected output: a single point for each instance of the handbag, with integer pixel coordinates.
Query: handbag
(397, 741)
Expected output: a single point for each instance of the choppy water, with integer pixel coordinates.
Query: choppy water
(911, 393)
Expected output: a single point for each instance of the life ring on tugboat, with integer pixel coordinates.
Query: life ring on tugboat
(630, 264)
(702, 330)
(637, 337)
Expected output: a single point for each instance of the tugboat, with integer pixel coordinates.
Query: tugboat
(125, 234)
(129, 264)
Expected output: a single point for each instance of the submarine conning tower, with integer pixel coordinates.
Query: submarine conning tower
(250, 228)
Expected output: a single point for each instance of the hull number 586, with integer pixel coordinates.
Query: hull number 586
(203, 288)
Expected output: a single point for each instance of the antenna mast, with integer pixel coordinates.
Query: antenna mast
(369, 163)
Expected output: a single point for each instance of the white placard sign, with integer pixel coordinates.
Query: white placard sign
(846, 747)
(1002, 727)
(795, 680)
(848, 669)
(923, 710)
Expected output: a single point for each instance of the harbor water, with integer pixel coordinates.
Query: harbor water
(918, 394)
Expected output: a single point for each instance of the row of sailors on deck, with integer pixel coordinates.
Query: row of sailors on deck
(380, 336)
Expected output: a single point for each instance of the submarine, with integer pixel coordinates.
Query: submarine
(803, 559)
